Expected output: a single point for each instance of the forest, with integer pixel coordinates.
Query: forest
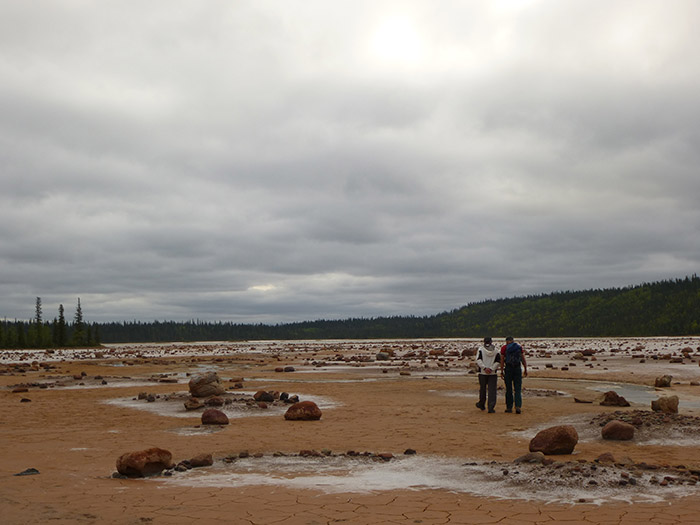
(665, 308)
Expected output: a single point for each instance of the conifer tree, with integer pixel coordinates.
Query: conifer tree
(61, 328)
(78, 338)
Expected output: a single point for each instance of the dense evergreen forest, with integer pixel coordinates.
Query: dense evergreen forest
(652, 309)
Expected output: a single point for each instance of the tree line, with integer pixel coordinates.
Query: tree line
(665, 308)
(59, 333)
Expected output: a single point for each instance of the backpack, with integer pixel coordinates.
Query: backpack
(513, 353)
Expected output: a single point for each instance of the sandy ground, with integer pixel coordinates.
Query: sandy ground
(73, 433)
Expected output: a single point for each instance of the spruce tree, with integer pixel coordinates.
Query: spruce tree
(78, 338)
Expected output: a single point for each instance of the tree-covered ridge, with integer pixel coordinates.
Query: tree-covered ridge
(664, 308)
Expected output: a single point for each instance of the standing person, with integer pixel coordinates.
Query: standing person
(512, 355)
(488, 360)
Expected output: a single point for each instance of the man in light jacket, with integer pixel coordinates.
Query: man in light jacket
(488, 359)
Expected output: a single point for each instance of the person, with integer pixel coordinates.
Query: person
(488, 359)
(512, 356)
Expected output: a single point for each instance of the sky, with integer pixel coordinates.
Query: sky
(276, 161)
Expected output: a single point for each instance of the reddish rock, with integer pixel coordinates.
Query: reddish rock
(215, 401)
(145, 462)
(605, 457)
(613, 399)
(303, 411)
(266, 397)
(618, 430)
(555, 440)
(212, 416)
(202, 460)
(206, 385)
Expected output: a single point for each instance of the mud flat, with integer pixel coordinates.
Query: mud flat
(70, 414)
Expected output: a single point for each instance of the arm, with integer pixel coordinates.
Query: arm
(522, 358)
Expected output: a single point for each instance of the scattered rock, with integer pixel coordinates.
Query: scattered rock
(667, 405)
(531, 457)
(663, 381)
(201, 460)
(613, 399)
(606, 457)
(213, 416)
(28, 472)
(144, 462)
(303, 411)
(618, 430)
(263, 396)
(206, 385)
(555, 440)
(193, 404)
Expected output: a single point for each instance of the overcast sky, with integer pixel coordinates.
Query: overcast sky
(275, 161)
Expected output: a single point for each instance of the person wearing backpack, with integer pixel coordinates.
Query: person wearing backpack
(512, 356)
(488, 359)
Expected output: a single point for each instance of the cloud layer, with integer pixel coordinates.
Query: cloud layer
(273, 161)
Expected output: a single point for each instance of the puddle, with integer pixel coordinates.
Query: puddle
(174, 407)
(568, 484)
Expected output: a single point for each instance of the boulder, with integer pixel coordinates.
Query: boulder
(213, 416)
(201, 460)
(613, 399)
(265, 397)
(206, 385)
(618, 430)
(605, 457)
(667, 405)
(303, 411)
(215, 401)
(144, 462)
(555, 440)
(663, 381)
(382, 356)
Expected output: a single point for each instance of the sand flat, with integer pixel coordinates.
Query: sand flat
(73, 436)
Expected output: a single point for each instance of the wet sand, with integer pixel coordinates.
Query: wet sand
(422, 399)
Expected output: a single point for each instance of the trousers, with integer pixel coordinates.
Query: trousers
(514, 384)
(487, 382)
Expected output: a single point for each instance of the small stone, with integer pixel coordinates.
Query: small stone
(28, 472)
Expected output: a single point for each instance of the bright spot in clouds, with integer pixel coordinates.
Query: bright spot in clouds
(397, 40)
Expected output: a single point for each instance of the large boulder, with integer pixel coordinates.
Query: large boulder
(555, 440)
(613, 399)
(212, 416)
(206, 385)
(144, 462)
(303, 411)
(663, 381)
(668, 405)
(618, 430)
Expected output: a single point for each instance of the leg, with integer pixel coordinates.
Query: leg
(492, 386)
(517, 388)
(482, 392)
(509, 389)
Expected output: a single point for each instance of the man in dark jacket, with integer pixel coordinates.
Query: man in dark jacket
(512, 356)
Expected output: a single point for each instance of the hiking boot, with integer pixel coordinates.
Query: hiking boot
(509, 410)
(517, 411)
(491, 410)
(479, 406)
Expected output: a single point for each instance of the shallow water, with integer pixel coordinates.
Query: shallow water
(362, 475)
(175, 407)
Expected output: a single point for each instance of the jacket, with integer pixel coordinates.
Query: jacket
(488, 356)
